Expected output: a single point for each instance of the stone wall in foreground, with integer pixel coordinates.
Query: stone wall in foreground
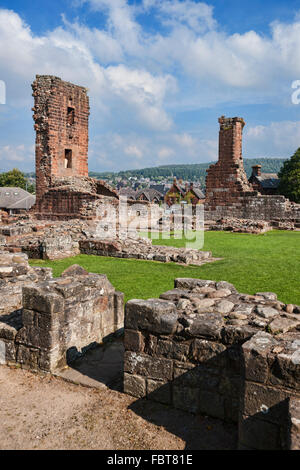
(58, 319)
(205, 348)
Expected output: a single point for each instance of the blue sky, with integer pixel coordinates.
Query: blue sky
(159, 74)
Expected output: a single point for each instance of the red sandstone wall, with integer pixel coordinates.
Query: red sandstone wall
(227, 180)
(58, 128)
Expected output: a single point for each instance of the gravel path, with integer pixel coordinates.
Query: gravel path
(44, 412)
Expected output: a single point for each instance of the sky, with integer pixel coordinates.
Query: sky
(159, 73)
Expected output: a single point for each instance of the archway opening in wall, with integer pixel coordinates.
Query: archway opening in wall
(68, 158)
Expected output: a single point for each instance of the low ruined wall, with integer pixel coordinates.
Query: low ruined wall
(193, 349)
(143, 249)
(271, 385)
(60, 319)
(255, 207)
(15, 273)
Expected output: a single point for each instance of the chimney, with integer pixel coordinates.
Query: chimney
(256, 170)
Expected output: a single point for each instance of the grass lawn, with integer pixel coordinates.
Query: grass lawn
(253, 263)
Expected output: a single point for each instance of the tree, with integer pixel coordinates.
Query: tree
(289, 176)
(15, 178)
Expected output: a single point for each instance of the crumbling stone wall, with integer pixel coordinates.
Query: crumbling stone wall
(15, 273)
(57, 319)
(202, 347)
(271, 387)
(227, 180)
(143, 249)
(228, 191)
(63, 188)
(61, 112)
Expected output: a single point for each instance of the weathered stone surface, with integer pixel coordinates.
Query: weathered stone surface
(219, 293)
(267, 295)
(294, 424)
(267, 403)
(206, 325)
(172, 350)
(60, 319)
(159, 391)
(74, 270)
(258, 434)
(282, 325)
(134, 340)
(154, 315)
(224, 307)
(255, 353)
(202, 305)
(221, 362)
(146, 366)
(209, 352)
(134, 385)
(267, 312)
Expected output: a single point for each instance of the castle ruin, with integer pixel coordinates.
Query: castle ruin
(229, 194)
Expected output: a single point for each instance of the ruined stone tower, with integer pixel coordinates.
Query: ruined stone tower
(227, 180)
(61, 113)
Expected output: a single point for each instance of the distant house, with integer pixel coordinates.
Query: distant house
(15, 200)
(265, 183)
(194, 195)
(128, 192)
(175, 194)
(150, 195)
(161, 188)
(190, 194)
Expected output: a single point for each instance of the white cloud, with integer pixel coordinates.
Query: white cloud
(146, 151)
(138, 80)
(143, 91)
(133, 150)
(164, 153)
(196, 16)
(279, 139)
(9, 155)
(64, 54)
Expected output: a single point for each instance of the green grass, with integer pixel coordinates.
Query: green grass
(253, 263)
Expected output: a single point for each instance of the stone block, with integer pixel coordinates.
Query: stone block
(258, 434)
(293, 440)
(209, 352)
(173, 350)
(134, 385)
(159, 391)
(34, 298)
(264, 402)
(153, 315)
(255, 356)
(133, 341)
(186, 398)
(146, 366)
(207, 325)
